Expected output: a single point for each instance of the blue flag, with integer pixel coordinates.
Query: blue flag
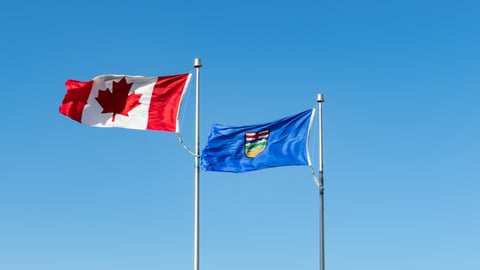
(246, 148)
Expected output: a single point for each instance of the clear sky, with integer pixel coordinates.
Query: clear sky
(401, 135)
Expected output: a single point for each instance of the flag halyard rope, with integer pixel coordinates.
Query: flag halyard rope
(180, 140)
(315, 179)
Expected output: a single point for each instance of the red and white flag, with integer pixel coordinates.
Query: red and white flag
(136, 102)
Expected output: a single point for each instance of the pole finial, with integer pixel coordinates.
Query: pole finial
(320, 98)
(197, 63)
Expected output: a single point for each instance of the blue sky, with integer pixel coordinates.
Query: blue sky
(401, 135)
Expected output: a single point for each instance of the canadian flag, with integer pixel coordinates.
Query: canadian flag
(136, 102)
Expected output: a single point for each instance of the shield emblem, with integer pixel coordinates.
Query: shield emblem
(255, 142)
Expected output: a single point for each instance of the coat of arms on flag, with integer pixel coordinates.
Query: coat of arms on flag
(255, 142)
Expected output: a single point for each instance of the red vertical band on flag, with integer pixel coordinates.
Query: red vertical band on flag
(165, 102)
(75, 99)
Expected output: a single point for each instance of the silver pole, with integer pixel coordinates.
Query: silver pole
(196, 242)
(320, 100)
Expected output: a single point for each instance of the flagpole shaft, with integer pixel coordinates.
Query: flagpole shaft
(320, 101)
(196, 248)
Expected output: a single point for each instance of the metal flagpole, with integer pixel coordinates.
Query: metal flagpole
(320, 100)
(196, 249)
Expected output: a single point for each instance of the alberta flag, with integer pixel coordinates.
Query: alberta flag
(246, 148)
(135, 102)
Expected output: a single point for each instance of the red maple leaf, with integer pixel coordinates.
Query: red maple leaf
(118, 100)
